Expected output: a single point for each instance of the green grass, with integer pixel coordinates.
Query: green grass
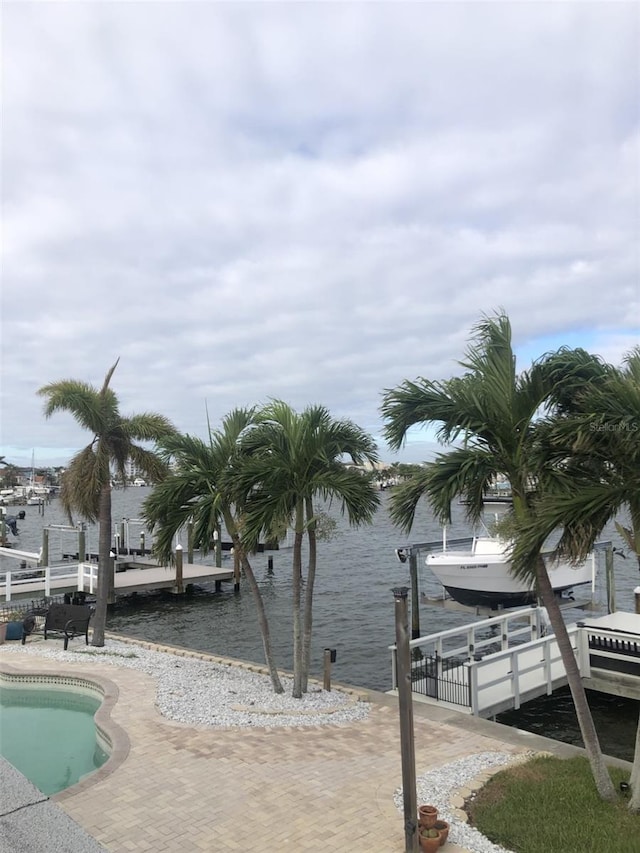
(551, 806)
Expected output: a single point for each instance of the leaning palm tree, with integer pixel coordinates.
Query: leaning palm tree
(201, 489)
(291, 459)
(493, 409)
(596, 448)
(86, 483)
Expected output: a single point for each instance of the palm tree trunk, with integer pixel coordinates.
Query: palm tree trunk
(297, 571)
(262, 617)
(308, 596)
(105, 580)
(599, 770)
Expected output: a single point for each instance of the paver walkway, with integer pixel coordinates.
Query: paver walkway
(183, 789)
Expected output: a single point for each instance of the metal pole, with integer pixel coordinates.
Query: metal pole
(415, 613)
(190, 541)
(611, 581)
(82, 546)
(416, 653)
(405, 702)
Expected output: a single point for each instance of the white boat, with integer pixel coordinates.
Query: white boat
(480, 575)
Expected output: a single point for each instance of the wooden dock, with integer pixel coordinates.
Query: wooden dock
(130, 576)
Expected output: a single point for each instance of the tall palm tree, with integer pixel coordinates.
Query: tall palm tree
(493, 409)
(290, 459)
(596, 449)
(201, 488)
(86, 483)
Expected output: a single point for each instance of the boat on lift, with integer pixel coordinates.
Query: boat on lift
(481, 574)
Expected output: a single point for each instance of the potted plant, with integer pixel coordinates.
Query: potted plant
(429, 840)
(443, 828)
(427, 816)
(11, 626)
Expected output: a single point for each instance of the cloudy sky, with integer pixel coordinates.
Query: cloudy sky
(307, 201)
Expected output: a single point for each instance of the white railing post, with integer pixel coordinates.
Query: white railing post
(472, 667)
(471, 641)
(80, 576)
(47, 582)
(546, 649)
(7, 587)
(584, 662)
(515, 678)
(504, 634)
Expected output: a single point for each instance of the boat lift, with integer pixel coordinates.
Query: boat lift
(410, 553)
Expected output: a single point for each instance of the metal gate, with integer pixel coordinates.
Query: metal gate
(446, 680)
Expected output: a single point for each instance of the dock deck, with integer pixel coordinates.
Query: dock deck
(133, 576)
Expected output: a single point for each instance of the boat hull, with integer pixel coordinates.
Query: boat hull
(482, 576)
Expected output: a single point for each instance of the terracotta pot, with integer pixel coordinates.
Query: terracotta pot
(429, 844)
(443, 828)
(427, 816)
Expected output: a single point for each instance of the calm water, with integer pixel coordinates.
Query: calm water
(353, 607)
(49, 736)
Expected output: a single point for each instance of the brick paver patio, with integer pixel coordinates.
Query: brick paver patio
(182, 788)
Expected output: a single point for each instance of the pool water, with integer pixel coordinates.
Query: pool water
(50, 736)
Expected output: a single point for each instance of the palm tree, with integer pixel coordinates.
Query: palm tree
(201, 489)
(86, 483)
(493, 409)
(596, 450)
(289, 460)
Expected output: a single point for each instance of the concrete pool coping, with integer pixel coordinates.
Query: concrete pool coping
(103, 689)
(327, 788)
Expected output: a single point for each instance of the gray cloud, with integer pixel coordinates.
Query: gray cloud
(309, 201)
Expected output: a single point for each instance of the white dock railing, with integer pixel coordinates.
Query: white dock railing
(84, 575)
(494, 665)
(507, 679)
(490, 665)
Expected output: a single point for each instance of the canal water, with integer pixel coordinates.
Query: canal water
(353, 608)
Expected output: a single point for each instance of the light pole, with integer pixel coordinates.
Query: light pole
(405, 702)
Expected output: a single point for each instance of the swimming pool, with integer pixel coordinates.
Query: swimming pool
(48, 731)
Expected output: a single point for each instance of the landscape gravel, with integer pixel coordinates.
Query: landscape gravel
(205, 693)
(438, 786)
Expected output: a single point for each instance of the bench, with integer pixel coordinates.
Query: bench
(61, 621)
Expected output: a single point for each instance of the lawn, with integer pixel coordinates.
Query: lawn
(551, 806)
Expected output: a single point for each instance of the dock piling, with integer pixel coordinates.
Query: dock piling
(44, 559)
(179, 587)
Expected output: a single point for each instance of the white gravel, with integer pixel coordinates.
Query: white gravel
(437, 787)
(205, 693)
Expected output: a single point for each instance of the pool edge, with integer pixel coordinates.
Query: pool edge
(114, 733)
